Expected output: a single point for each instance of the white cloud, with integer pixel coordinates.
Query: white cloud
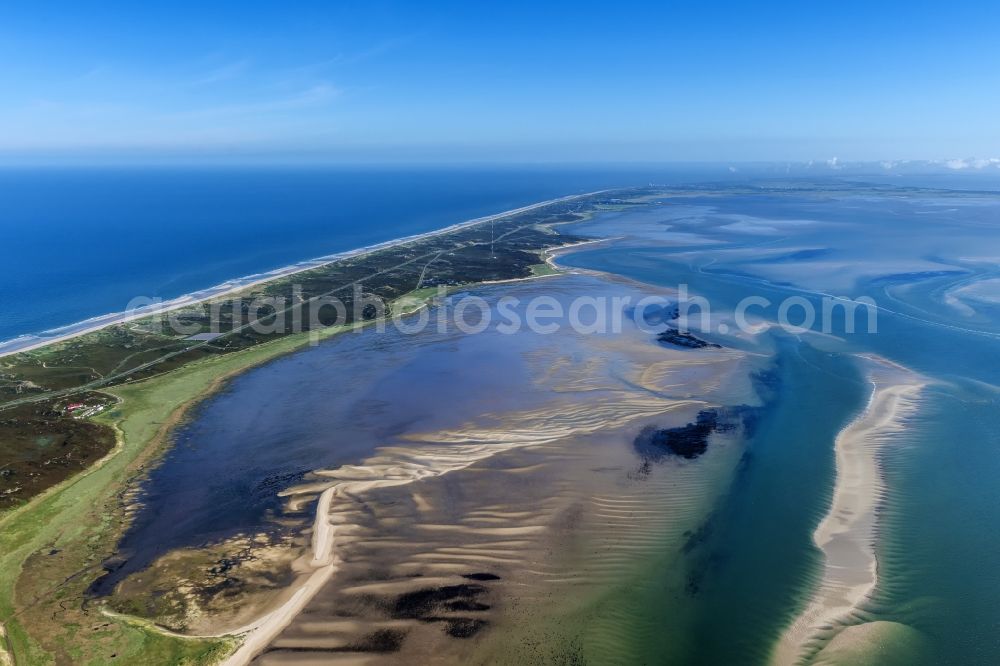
(972, 163)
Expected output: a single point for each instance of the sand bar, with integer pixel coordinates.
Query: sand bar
(848, 532)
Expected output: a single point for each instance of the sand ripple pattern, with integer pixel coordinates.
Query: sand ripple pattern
(536, 497)
(848, 533)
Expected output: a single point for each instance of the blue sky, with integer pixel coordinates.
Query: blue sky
(507, 81)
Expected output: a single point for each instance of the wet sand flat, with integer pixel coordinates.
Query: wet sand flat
(465, 536)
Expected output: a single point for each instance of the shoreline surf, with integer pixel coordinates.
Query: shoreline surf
(31, 342)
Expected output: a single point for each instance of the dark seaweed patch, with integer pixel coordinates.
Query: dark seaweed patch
(425, 605)
(480, 576)
(421, 603)
(691, 440)
(687, 441)
(678, 338)
(462, 605)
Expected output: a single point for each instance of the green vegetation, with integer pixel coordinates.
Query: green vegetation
(135, 382)
(41, 390)
(539, 270)
(52, 548)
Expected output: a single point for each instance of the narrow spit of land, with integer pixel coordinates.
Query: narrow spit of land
(81, 418)
(45, 391)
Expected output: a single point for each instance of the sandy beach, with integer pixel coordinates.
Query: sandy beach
(29, 342)
(848, 532)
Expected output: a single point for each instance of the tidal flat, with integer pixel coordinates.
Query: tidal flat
(682, 490)
(60, 531)
(884, 545)
(437, 413)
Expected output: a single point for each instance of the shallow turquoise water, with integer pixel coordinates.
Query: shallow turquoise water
(752, 565)
(941, 573)
(909, 250)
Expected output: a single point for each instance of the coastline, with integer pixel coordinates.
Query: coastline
(154, 406)
(848, 532)
(97, 485)
(31, 342)
(857, 456)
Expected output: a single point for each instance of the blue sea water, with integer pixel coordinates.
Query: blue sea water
(914, 251)
(79, 243)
